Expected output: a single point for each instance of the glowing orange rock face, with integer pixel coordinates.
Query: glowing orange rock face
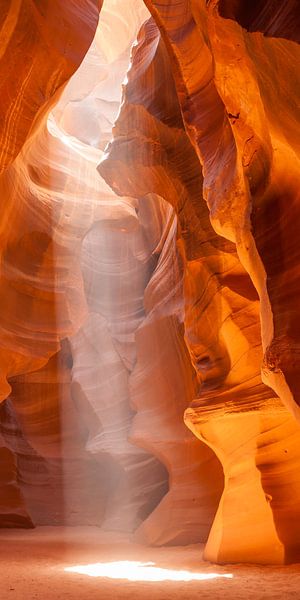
(77, 263)
(226, 100)
(41, 47)
(120, 320)
(244, 148)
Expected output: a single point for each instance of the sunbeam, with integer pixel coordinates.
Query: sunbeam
(141, 571)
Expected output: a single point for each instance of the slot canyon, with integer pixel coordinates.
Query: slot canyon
(149, 299)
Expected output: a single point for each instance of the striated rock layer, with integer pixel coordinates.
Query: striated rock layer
(159, 291)
(98, 281)
(42, 45)
(58, 195)
(253, 434)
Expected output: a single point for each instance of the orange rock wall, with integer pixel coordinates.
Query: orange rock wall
(41, 46)
(79, 264)
(218, 71)
(161, 288)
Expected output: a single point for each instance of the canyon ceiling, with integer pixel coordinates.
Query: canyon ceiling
(149, 274)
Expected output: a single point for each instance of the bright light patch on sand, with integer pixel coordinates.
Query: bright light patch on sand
(141, 571)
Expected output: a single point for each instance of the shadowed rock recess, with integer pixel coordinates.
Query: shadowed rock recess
(149, 272)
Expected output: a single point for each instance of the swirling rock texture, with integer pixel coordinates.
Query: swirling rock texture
(62, 196)
(226, 81)
(162, 285)
(41, 47)
(42, 44)
(116, 351)
(79, 261)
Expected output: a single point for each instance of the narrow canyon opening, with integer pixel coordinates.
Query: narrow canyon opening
(96, 435)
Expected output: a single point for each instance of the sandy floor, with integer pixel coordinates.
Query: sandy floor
(33, 567)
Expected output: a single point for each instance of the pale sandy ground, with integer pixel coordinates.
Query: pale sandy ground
(33, 563)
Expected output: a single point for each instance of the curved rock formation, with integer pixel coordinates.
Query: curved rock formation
(218, 82)
(161, 288)
(222, 311)
(123, 252)
(41, 48)
(79, 261)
